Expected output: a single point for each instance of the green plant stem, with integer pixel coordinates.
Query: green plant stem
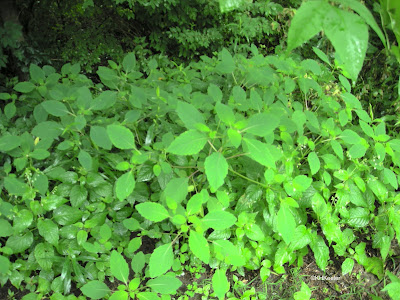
(244, 177)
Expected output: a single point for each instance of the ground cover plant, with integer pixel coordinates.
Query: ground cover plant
(176, 182)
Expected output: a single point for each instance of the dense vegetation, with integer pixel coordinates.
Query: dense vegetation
(195, 150)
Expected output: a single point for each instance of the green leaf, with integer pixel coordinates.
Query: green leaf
(78, 195)
(138, 262)
(39, 154)
(44, 253)
(378, 188)
(85, 159)
(100, 137)
(286, 223)
(95, 289)
(301, 183)
(214, 92)
(67, 215)
(314, 162)
(357, 151)
(358, 217)
(147, 296)
(194, 204)
(4, 264)
(177, 189)
(48, 230)
(188, 143)
(161, 260)
(152, 211)
(262, 124)
(226, 64)
(234, 137)
(393, 288)
(321, 251)
(5, 228)
(189, 115)
(19, 243)
(199, 246)
(121, 137)
(349, 36)
(347, 266)
(119, 295)
(47, 130)
(15, 186)
(225, 113)
(36, 73)
(216, 168)
(304, 293)
(367, 129)
(337, 148)
(118, 267)
(219, 220)
(306, 23)
(254, 232)
(103, 101)
(322, 56)
(391, 178)
(164, 284)
(351, 101)
(350, 137)
(125, 185)
(262, 153)
(55, 108)
(129, 62)
(9, 142)
(109, 77)
(301, 238)
(229, 251)
(24, 87)
(220, 283)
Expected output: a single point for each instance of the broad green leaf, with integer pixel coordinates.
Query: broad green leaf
(367, 129)
(314, 162)
(301, 238)
(262, 124)
(119, 295)
(234, 137)
(47, 130)
(118, 267)
(103, 101)
(337, 148)
(138, 262)
(322, 56)
(15, 186)
(48, 230)
(347, 266)
(67, 215)
(24, 87)
(95, 289)
(331, 162)
(85, 159)
(152, 211)
(358, 217)
(55, 108)
(254, 232)
(364, 13)
(351, 101)
(9, 142)
(229, 251)
(262, 153)
(125, 185)
(188, 143)
(177, 189)
(286, 223)
(306, 23)
(350, 38)
(131, 224)
(147, 296)
(378, 188)
(391, 178)
(44, 253)
(161, 260)
(393, 288)
(5, 228)
(215, 92)
(225, 113)
(304, 293)
(199, 246)
(194, 204)
(301, 183)
(346, 84)
(350, 137)
(121, 137)
(22, 220)
(226, 64)
(19, 243)
(100, 137)
(4, 264)
(78, 195)
(189, 115)
(357, 151)
(109, 77)
(320, 250)
(129, 62)
(220, 283)
(216, 168)
(39, 154)
(164, 284)
(219, 220)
